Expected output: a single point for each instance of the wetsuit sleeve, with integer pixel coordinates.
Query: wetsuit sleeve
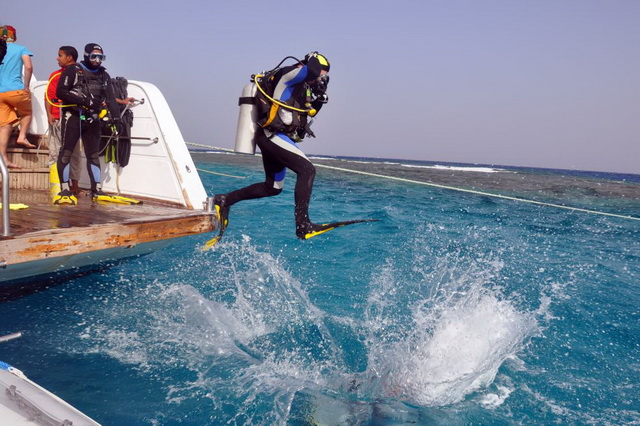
(110, 97)
(67, 82)
(287, 83)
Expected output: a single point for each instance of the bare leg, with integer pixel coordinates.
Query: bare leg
(5, 134)
(25, 122)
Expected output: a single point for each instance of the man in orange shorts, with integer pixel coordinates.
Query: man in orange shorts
(15, 96)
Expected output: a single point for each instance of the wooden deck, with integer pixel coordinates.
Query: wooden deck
(44, 230)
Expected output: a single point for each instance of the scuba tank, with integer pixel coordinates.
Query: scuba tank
(246, 130)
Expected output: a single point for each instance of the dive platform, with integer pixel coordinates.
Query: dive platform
(47, 238)
(42, 241)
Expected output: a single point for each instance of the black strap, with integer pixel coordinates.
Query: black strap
(246, 100)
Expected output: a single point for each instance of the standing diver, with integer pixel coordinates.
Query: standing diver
(84, 89)
(301, 86)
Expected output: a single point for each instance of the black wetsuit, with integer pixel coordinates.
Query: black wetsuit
(3, 49)
(280, 152)
(86, 89)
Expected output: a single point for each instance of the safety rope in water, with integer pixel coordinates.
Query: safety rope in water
(488, 194)
(217, 148)
(220, 174)
(453, 188)
(210, 147)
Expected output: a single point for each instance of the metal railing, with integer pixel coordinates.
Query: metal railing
(6, 225)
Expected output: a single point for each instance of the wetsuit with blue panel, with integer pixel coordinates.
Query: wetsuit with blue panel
(85, 89)
(278, 140)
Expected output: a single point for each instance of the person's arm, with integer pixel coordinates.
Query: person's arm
(125, 101)
(48, 107)
(66, 83)
(28, 70)
(50, 93)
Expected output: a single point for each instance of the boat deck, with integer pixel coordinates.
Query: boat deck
(44, 230)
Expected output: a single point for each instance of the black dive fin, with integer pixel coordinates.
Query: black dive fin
(326, 227)
(223, 221)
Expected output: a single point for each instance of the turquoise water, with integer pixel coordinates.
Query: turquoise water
(455, 308)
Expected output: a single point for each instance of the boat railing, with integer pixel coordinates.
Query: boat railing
(6, 224)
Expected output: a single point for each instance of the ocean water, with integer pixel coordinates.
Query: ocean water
(455, 308)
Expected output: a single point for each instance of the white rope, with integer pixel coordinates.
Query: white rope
(471, 191)
(220, 174)
(453, 188)
(219, 149)
(210, 147)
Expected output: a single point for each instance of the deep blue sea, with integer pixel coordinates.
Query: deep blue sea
(455, 308)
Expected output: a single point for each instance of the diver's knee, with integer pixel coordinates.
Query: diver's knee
(274, 191)
(94, 157)
(309, 170)
(65, 156)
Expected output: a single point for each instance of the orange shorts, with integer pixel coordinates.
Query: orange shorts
(14, 104)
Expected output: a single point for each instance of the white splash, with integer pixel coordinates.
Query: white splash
(461, 355)
(462, 334)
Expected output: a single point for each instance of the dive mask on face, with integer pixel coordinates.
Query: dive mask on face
(97, 57)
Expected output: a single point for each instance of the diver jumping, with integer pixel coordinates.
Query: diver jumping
(298, 91)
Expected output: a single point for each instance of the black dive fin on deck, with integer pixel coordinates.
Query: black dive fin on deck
(326, 227)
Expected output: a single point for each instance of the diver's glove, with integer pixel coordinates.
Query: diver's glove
(318, 102)
(323, 99)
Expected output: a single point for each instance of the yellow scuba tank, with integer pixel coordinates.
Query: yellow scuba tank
(246, 130)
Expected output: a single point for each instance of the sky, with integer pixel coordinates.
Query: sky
(535, 83)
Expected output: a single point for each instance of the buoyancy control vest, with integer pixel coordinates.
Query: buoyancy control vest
(88, 89)
(93, 84)
(262, 107)
(274, 117)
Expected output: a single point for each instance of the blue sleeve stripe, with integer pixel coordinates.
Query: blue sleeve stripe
(300, 76)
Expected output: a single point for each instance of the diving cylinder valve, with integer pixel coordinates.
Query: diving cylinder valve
(245, 133)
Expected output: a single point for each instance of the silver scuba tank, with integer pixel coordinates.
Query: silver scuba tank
(246, 130)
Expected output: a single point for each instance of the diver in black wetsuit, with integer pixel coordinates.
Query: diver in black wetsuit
(86, 89)
(302, 85)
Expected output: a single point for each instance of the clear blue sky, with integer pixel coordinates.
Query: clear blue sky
(544, 83)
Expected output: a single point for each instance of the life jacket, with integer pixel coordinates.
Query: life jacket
(269, 114)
